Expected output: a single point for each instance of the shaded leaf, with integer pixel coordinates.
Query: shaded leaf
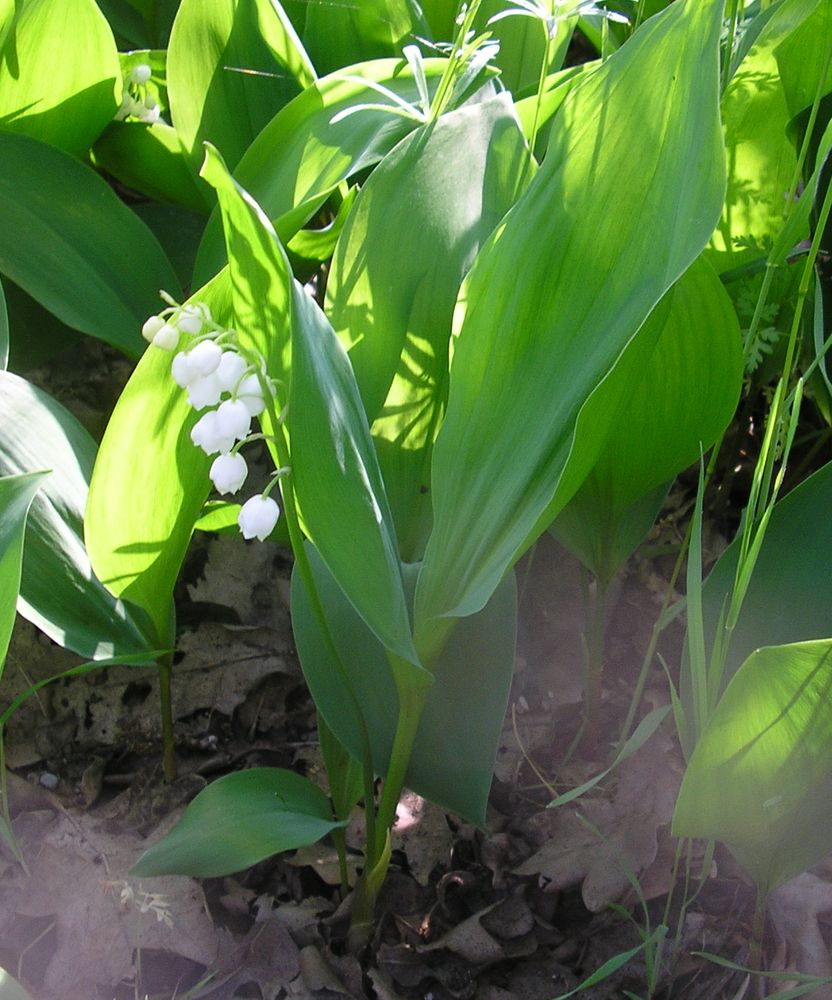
(16, 494)
(88, 259)
(760, 777)
(238, 820)
(59, 592)
(4, 331)
(542, 323)
(453, 756)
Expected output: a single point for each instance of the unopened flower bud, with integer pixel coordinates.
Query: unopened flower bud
(257, 517)
(140, 73)
(167, 338)
(151, 326)
(192, 318)
(230, 370)
(204, 358)
(251, 395)
(150, 115)
(206, 434)
(228, 473)
(204, 391)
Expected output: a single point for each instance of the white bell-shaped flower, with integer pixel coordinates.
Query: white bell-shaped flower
(206, 434)
(234, 418)
(167, 338)
(181, 370)
(151, 326)
(204, 358)
(251, 394)
(257, 517)
(140, 73)
(193, 318)
(230, 370)
(228, 473)
(204, 391)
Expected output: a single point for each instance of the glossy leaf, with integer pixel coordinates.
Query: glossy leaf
(760, 777)
(56, 91)
(332, 452)
(453, 755)
(59, 592)
(4, 331)
(231, 66)
(150, 481)
(679, 402)
(302, 154)
(393, 310)
(238, 820)
(87, 258)
(338, 35)
(16, 495)
(542, 323)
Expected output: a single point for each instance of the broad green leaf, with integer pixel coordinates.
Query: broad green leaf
(441, 18)
(543, 322)
(150, 159)
(16, 495)
(4, 331)
(523, 45)
(238, 820)
(760, 156)
(59, 592)
(335, 473)
(453, 755)
(790, 593)
(760, 777)
(338, 35)
(802, 57)
(679, 402)
(150, 481)
(393, 310)
(10, 989)
(231, 66)
(87, 258)
(60, 80)
(302, 155)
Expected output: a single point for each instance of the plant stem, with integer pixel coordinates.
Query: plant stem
(165, 668)
(595, 596)
(755, 959)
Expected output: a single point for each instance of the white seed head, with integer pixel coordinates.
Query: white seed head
(140, 73)
(233, 418)
(257, 517)
(228, 473)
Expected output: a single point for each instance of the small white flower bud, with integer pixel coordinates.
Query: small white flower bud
(167, 338)
(250, 394)
(140, 73)
(228, 473)
(192, 319)
(233, 418)
(204, 391)
(230, 370)
(150, 115)
(204, 358)
(151, 326)
(206, 434)
(257, 517)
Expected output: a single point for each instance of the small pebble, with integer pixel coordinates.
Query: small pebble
(49, 780)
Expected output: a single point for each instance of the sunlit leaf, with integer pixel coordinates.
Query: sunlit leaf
(543, 321)
(760, 777)
(60, 92)
(238, 820)
(87, 258)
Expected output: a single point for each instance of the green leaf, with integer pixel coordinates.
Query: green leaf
(4, 331)
(681, 400)
(238, 820)
(760, 777)
(393, 310)
(231, 67)
(545, 321)
(302, 155)
(10, 989)
(59, 592)
(56, 91)
(16, 495)
(332, 452)
(522, 45)
(453, 755)
(338, 35)
(87, 258)
(150, 481)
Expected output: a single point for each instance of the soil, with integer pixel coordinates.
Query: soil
(524, 910)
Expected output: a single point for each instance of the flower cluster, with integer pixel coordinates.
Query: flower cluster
(136, 102)
(229, 385)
